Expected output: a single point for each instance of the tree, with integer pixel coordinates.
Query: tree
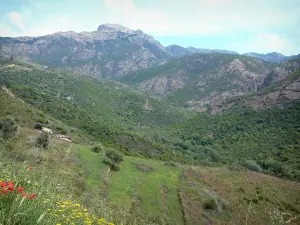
(8, 127)
(114, 157)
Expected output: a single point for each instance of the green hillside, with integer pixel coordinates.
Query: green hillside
(103, 109)
(190, 168)
(111, 113)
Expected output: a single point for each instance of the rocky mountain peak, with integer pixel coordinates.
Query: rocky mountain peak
(114, 28)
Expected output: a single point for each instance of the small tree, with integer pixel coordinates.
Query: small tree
(114, 157)
(43, 140)
(97, 148)
(38, 126)
(8, 127)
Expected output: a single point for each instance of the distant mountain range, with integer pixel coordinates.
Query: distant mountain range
(178, 51)
(111, 51)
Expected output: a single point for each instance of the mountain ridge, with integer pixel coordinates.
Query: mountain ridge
(111, 51)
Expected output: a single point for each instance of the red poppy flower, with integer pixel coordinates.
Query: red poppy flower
(24, 194)
(29, 168)
(1, 192)
(20, 189)
(5, 191)
(2, 184)
(32, 196)
(10, 186)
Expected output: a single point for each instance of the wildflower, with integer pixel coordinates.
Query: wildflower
(5, 191)
(32, 196)
(29, 169)
(2, 184)
(10, 186)
(24, 194)
(20, 189)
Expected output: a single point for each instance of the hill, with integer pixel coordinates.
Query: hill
(106, 110)
(199, 81)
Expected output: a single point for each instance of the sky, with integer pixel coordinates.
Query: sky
(241, 25)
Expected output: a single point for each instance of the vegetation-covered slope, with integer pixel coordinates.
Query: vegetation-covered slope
(201, 80)
(104, 109)
(149, 191)
(111, 112)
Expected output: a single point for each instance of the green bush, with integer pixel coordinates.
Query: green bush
(212, 154)
(274, 167)
(43, 140)
(8, 128)
(210, 204)
(97, 148)
(113, 158)
(252, 165)
(114, 155)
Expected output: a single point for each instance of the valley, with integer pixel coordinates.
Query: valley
(151, 134)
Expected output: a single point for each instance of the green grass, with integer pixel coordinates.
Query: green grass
(133, 185)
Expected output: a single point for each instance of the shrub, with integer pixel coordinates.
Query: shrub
(213, 154)
(97, 148)
(252, 165)
(38, 126)
(274, 167)
(114, 155)
(8, 127)
(113, 158)
(43, 140)
(210, 204)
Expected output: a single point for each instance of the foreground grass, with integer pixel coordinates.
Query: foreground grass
(147, 186)
(182, 194)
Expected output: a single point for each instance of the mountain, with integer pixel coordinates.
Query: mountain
(270, 57)
(282, 89)
(275, 57)
(199, 81)
(177, 51)
(281, 71)
(111, 51)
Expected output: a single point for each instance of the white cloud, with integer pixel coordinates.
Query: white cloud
(264, 43)
(200, 17)
(16, 20)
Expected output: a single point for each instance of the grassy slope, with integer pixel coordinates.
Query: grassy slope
(178, 192)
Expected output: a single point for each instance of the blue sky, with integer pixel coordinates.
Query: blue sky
(243, 26)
